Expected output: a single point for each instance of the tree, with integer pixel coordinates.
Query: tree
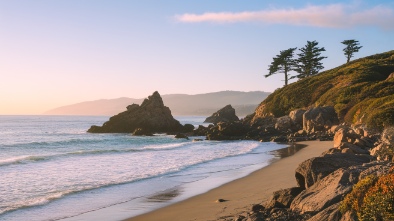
(352, 46)
(282, 63)
(309, 60)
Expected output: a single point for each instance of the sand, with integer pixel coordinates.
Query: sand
(241, 194)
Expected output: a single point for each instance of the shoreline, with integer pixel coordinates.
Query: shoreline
(239, 195)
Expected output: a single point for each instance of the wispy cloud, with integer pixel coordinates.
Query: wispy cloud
(333, 16)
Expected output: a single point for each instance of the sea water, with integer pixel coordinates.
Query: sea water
(52, 169)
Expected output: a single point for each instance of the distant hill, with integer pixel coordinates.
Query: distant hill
(180, 104)
(361, 91)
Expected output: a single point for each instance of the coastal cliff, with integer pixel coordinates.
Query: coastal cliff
(361, 91)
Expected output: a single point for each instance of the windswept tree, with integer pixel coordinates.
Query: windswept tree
(308, 62)
(282, 63)
(352, 46)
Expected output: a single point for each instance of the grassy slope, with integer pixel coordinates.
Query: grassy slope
(358, 90)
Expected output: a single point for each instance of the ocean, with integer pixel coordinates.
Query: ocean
(51, 169)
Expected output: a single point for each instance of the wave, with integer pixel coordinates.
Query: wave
(52, 196)
(57, 143)
(21, 159)
(37, 158)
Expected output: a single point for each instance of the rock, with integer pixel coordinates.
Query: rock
(151, 116)
(385, 149)
(195, 140)
(226, 114)
(388, 136)
(181, 136)
(331, 213)
(330, 151)
(344, 134)
(228, 131)
(332, 188)
(283, 124)
(283, 198)
(200, 131)
(354, 148)
(220, 200)
(319, 119)
(257, 208)
(325, 192)
(314, 169)
(188, 128)
(142, 132)
(296, 117)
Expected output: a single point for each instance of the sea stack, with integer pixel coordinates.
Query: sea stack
(226, 114)
(151, 116)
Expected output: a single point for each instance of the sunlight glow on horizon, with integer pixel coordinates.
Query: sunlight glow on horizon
(57, 53)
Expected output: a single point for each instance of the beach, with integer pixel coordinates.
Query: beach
(239, 195)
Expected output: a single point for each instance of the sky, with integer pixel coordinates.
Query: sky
(59, 52)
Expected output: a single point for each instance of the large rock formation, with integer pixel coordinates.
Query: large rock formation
(331, 189)
(312, 170)
(152, 116)
(320, 119)
(226, 114)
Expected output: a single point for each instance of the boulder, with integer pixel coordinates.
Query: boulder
(181, 136)
(226, 114)
(283, 198)
(331, 213)
(228, 131)
(151, 116)
(353, 148)
(319, 119)
(297, 117)
(200, 131)
(331, 189)
(325, 192)
(283, 124)
(314, 169)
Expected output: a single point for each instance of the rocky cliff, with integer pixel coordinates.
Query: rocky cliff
(151, 116)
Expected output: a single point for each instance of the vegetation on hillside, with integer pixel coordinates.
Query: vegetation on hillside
(360, 91)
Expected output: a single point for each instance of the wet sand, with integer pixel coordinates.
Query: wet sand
(239, 195)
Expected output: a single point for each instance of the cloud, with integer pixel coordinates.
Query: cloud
(333, 16)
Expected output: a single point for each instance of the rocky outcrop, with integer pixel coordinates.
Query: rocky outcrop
(227, 131)
(331, 189)
(385, 149)
(320, 201)
(152, 116)
(350, 139)
(319, 119)
(312, 170)
(226, 114)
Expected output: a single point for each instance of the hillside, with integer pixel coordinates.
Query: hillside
(361, 91)
(180, 104)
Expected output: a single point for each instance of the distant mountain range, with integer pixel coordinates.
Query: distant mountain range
(244, 103)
